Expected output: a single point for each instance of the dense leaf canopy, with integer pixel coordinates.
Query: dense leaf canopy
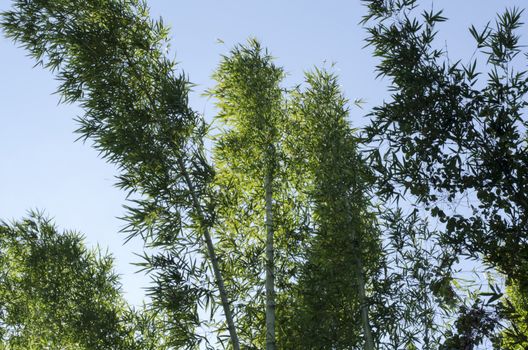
(292, 224)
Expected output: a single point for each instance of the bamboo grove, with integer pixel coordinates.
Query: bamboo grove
(287, 233)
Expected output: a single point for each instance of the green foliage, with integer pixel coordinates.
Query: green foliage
(343, 252)
(319, 185)
(454, 132)
(250, 104)
(474, 325)
(451, 132)
(109, 57)
(248, 155)
(286, 215)
(55, 293)
(413, 298)
(515, 311)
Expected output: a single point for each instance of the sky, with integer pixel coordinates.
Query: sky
(42, 167)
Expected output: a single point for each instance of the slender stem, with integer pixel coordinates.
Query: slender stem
(214, 259)
(360, 278)
(367, 332)
(270, 267)
(360, 274)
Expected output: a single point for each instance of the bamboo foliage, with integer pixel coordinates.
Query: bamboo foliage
(55, 293)
(109, 57)
(275, 232)
(247, 153)
(344, 252)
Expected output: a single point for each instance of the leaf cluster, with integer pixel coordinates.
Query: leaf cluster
(56, 293)
(109, 57)
(453, 132)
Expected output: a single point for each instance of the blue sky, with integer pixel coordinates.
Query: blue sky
(42, 167)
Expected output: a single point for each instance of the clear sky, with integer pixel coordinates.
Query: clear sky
(42, 167)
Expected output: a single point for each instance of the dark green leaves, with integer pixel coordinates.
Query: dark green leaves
(455, 133)
(444, 138)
